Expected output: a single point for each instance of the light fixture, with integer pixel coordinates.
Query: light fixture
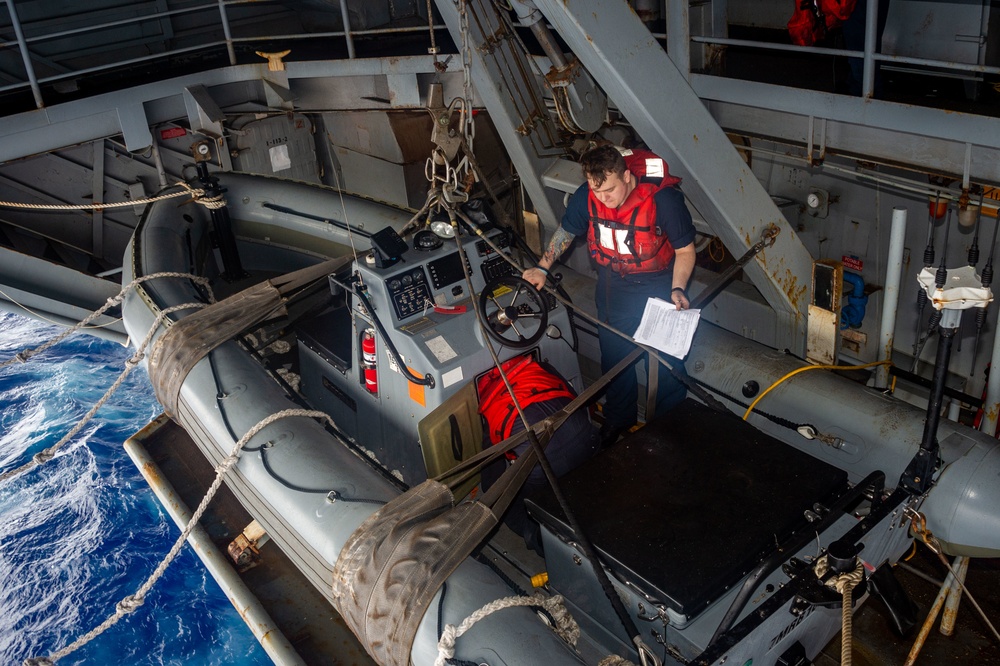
(443, 229)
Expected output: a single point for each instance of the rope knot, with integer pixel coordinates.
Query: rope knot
(42, 456)
(129, 604)
(23, 356)
(446, 644)
(38, 661)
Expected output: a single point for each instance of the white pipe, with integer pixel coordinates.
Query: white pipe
(277, 647)
(890, 296)
(954, 409)
(992, 403)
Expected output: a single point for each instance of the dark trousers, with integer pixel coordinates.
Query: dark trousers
(621, 301)
(572, 444)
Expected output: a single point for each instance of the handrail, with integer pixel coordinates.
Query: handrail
(218, 7)
(881, 57)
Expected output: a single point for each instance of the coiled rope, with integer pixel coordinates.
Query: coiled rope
(197, 194)
(131, 602)
(47, 454)
(844, 584)
(565, 626)
(615, 660)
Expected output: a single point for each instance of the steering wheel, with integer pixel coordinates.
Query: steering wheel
(513, 311)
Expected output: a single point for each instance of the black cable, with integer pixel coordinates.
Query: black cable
(514, 587)
(219, 397)
(426, 380)
(974, 249)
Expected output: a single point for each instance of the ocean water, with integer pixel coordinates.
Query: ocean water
(82, 531)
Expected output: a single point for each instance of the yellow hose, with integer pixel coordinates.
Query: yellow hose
(803, 369)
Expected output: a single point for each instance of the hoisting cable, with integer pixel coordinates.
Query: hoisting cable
(132, 602)
(645, 653)
(987, 279)
(48, 453)
(343, 209)
(940, 276)
(921, 294)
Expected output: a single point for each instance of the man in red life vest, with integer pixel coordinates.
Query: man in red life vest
(640, 233)
(540, 392)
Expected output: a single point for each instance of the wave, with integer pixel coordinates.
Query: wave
(83, 531)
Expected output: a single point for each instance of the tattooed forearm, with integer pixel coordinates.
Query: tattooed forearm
(561, 240)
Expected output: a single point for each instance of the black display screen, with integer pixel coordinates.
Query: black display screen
(446, 270)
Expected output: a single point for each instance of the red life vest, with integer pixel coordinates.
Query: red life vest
(531, 383)
(812, 19)
(627, 238)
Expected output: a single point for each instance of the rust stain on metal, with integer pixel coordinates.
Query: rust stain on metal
(695, 137)
(791, 287)
(152, 472)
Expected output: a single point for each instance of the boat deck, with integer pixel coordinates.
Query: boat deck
(320, 637)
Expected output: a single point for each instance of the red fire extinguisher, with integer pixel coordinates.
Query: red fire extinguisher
(369, 359)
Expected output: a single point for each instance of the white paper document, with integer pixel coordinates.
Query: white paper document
(666, 328)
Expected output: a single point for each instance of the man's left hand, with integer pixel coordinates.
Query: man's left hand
(679, 299)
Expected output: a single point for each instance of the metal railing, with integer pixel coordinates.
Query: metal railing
(217, 9)
(869, 55)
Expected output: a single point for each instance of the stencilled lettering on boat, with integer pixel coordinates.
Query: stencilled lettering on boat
(787, 630)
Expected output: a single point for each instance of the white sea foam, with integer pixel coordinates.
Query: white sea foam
(82, 531)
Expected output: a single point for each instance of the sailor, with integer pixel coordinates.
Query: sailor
(641, 235)
(540, 392)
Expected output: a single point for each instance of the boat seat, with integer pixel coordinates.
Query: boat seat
(329, 335)
(685, 507)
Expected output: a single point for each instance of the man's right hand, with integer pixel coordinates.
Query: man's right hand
(535, 276)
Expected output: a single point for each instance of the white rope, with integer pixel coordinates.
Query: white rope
(35, 314)
(24, 355)
(131, 602)
(47, 454)
(844, 584)
(565, 626)
(615, 660)
(198, 195)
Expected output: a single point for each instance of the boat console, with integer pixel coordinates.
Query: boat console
(394, 364)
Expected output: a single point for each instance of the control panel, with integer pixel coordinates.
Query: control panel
(408, 292)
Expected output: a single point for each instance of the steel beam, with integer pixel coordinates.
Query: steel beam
(130, 111)
(621, 54)
(932, 140)
(97, 218)
(495, 93)
(919, 121)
